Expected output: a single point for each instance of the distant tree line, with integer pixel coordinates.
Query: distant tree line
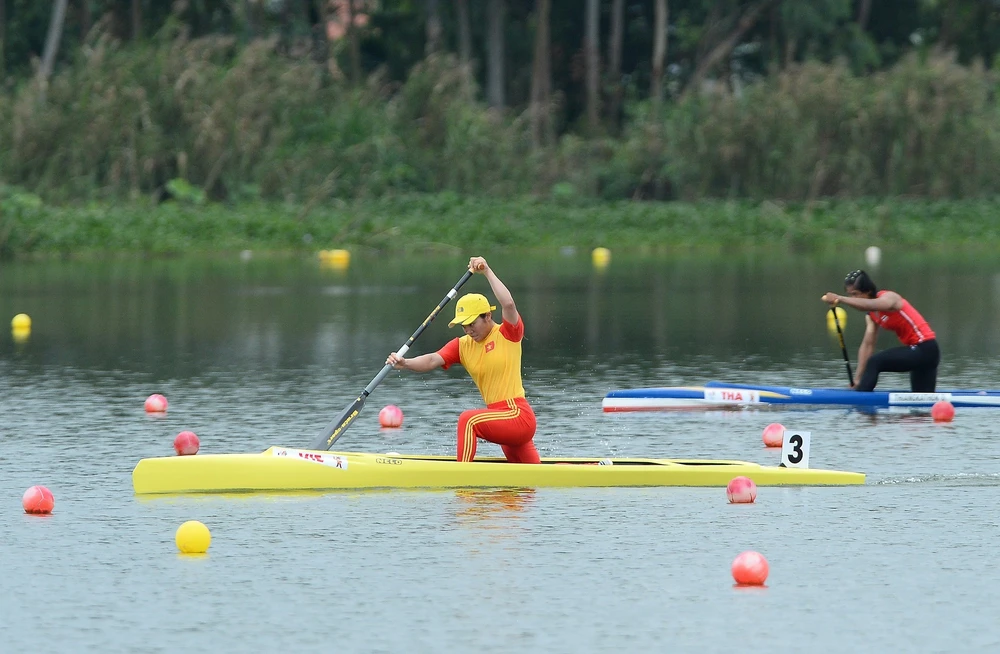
(589, 53)
(626, 77)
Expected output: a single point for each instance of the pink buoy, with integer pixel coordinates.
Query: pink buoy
(156, 403)
(38, 500)
(773, 434)
(186, 443)
(943, 411)
(750, 569)
(390, 416)
(741, 490)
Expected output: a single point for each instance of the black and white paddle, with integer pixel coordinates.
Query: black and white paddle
(336, 428)
(843, 348)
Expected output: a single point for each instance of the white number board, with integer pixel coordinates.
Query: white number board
(795, 449)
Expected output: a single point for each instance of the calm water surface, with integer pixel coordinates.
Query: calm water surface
(267, 352)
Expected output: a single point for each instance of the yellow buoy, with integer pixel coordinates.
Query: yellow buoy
(193, 537)
(601, 257)
(20, 335)
(340, 258)
(21, 321)
(841, 316)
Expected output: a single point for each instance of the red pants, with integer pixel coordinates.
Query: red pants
(510, 424)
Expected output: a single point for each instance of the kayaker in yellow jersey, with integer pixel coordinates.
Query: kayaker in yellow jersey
(492, 355)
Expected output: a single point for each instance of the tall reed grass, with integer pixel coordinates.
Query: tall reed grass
(246, 123)
(927, 128)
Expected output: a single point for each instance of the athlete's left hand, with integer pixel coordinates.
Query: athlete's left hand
(831, 298)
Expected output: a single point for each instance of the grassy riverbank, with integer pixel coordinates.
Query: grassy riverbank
(444, 222)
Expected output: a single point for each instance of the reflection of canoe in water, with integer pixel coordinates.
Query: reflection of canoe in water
(284, 469)
(725, 395)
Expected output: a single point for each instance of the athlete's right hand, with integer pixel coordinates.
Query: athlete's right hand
(396, 361)
(478, 265)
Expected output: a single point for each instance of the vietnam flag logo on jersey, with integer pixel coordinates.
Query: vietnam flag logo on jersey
(490, 346)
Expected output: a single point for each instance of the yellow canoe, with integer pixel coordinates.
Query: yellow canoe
(287, 469)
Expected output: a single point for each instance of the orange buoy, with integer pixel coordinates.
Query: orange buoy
(773, 434)
(156, 403)
(750, 569)
(943, 411)
(741, 490)
(38, 500)
(390, 416)
(186, 443)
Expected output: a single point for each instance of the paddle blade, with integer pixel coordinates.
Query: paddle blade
(338, 426)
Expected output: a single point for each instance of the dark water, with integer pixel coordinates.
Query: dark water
(265, 352)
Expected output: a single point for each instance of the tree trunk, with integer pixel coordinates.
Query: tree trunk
(541, 77)
(659, 53)
(3, 37)
(52, 42)
(591, 43)
(287, 23)
(723, 48)
(464, 32)
(354, 44)
(948, 18)
(615, 61)
(433, 27)
(864, 12)
(465, 45)
(136, 19)
(250, 15)
(86, 19)
(495, 54)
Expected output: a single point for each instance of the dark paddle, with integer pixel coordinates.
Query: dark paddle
(336, 428)
(843, 348)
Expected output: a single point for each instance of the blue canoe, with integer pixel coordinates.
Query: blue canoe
(717, 394)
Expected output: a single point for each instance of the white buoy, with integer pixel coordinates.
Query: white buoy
(873, 255)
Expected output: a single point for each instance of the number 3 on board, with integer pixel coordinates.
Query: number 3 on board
(795, 449)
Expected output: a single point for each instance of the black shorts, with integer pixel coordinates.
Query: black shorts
(920, 360)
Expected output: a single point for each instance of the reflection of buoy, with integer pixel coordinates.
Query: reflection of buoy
(741, 490)
(943, 411)
(38, 500)
(601, 257)
(773, 434)
(156, 403)
(193, 537)
(20, 335)
(873, 255)
(750, 569)
(390, 416)
(186, 443)
(21, 321)
(831, 324)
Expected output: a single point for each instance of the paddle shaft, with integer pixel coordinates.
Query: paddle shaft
(336, 428)
(843, 348)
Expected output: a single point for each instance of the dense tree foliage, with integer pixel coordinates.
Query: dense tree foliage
(310, 99)
(867, 34)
